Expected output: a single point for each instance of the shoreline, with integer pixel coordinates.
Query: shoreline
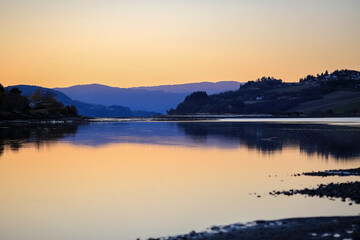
(15, 122)
(344, 191)
(188, 118)
(336, 227)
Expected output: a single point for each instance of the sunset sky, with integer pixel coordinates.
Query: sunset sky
(126, 43)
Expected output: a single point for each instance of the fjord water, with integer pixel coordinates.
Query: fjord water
(124, 180)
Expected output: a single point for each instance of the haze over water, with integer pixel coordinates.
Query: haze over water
(123, 180)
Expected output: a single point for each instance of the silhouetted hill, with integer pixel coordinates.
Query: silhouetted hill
(39, 104)
(86, 109)
(208, 87)
(157, 98)
(27, 90)
(338, 92)
(133, 98)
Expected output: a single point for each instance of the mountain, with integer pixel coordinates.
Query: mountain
(156, 98)
(208, 87)
(85, 109)
(27, 90)
(338, 92)
(136, 99)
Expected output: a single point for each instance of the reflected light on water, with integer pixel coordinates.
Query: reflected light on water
(130, 190)
(127, 180)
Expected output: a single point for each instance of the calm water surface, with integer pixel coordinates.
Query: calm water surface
(124, 180)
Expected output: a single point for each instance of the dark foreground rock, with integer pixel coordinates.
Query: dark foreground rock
(348, 190)
(338, 172)
(294, 228)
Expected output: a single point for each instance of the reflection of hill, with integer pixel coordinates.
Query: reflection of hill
(339, 142)
(103, 133)
(16, 136)
(325, 140)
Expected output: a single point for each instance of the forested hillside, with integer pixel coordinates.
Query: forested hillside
(270, 95)
(40, 104)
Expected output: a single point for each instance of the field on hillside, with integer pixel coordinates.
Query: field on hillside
(338, 102)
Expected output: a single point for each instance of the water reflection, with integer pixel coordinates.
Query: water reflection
(148, 179)
(339, 142)
(15, 137)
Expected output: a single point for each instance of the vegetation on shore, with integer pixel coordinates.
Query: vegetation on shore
(40, 105)
(270, 95)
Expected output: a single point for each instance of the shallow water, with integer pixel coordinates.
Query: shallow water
(124, 180)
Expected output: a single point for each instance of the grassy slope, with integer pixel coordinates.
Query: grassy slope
(347, 108)
(332, 101)
(289, 89)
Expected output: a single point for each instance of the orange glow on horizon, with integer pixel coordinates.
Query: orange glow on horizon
(137, 43)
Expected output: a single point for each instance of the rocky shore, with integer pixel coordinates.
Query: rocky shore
(341, 227)
(348, 190)
(293, 228)
(338, 172)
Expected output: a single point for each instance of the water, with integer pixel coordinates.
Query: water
(124, 180)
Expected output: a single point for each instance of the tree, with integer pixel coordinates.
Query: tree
(192, 103)
(2, 91)
(45, 99)
(13, 101)
(15, 91)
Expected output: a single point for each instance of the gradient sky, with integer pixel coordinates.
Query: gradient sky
(151, 42)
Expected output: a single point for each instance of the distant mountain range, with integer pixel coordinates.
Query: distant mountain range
(334, 93)
(156, 98)
(97, 100)
(209, 87)
(86, 109)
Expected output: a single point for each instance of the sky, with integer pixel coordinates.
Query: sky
(128, 43)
